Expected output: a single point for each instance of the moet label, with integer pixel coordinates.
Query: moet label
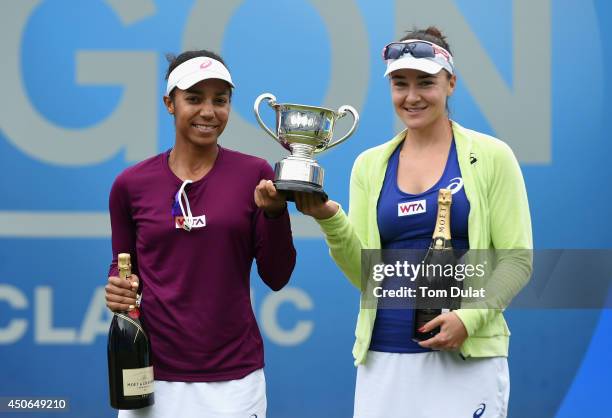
(138, 381)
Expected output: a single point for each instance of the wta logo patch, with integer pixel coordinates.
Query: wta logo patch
(412, 208)
(197, 222)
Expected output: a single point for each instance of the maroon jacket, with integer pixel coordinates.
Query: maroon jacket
(195, 285)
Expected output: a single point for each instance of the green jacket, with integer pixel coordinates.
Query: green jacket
(499, 219)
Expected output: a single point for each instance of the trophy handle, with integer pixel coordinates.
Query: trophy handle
(271, 102)
(341, 113)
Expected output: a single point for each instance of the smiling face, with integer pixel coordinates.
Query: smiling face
(201, 112)
(420, 98)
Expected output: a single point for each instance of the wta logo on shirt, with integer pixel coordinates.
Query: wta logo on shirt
(412, 208)
(179, 218)
(196, 222)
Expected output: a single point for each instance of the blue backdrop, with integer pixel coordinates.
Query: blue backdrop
(83, 82)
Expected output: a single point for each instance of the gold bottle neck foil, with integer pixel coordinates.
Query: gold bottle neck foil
(124, 265)
(442, 231)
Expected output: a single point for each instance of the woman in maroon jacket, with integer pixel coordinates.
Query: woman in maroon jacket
(194, 218)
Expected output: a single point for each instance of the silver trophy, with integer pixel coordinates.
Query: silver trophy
(305, 131)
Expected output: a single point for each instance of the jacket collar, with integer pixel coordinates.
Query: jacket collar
(463, 142)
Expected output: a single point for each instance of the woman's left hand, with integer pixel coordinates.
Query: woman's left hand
(452, 332)
(269, 199)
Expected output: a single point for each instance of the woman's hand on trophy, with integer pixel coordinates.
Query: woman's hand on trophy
(269, 199)
(311, 204)
(121, 294)
(452, 332)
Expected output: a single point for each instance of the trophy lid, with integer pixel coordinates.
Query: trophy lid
(308, 108)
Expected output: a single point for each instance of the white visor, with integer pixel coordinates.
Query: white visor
(195, 70)
(407, 61)
(442, 59)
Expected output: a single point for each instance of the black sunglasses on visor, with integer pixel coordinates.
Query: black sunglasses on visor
(418, 49)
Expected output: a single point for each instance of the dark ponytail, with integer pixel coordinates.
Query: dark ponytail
(431, 34)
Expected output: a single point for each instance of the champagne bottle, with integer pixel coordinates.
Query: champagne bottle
(439, 261)
(130, 372)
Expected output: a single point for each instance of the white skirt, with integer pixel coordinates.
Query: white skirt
(437, 384)
(242, 398)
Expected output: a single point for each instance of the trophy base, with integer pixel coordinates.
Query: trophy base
(287, 187)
